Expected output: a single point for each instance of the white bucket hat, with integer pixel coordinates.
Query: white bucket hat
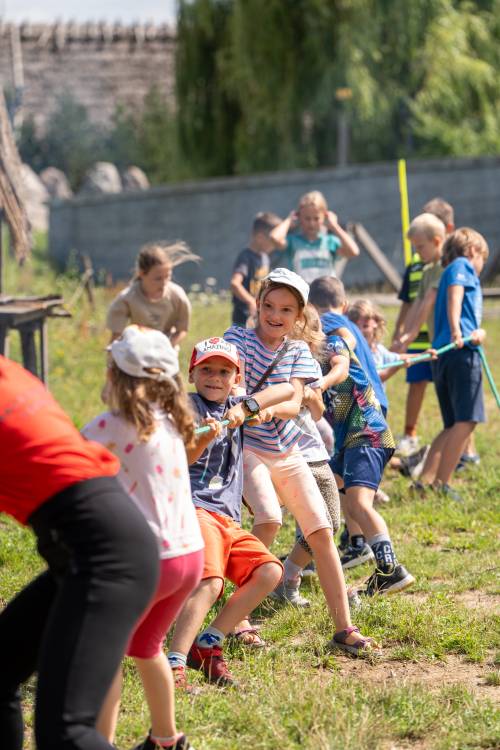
(145, 353)
(290, 278)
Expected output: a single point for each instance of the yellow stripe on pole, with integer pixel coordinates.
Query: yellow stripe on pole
(405, 209)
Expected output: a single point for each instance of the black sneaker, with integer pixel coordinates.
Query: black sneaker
(388, 583)
(148, 744)
(354, 556)
(344, 539)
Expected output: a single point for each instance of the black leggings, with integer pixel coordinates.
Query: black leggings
(72, 623)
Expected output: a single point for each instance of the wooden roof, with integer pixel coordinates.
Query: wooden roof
(10, 197)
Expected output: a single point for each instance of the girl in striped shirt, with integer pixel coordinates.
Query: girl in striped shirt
(275, 471)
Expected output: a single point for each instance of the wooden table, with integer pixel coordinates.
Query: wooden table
(28, 315)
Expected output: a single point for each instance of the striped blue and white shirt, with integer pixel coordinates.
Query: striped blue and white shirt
(279, 435)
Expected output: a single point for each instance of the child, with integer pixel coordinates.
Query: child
(148, 423)
(152, 299)
(427, 234)
(312, 447)
(420, 374)
(458, 377)
(72, 622)
(251, 266)
(275, 471)
(363, 443)
(311, 251)
(372, 325)
(216, 471)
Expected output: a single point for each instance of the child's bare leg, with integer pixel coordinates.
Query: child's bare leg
(433, 459)
(359, 500)
(193, 613)
(108, 715)
(414, 401)
(266, 532)
(299, 556)
(331, 577)
(452, 450)
(470, 446)
(158, 683)
(246, 598)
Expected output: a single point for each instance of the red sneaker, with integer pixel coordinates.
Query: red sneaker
(211, 662)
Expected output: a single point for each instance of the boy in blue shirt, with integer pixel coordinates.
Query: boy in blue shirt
(216, 473)
(363, 443)
(457, 373)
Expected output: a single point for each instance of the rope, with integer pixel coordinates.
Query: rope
(489, 375)
(423, 357)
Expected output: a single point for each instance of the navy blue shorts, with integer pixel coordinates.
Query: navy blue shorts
(420, 371)
(361, 467)
(459, 386)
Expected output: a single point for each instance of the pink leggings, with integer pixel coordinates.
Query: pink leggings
(178, 577)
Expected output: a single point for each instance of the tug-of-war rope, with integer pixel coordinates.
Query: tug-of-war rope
(398, 362)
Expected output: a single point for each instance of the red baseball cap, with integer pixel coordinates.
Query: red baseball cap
(214, 347)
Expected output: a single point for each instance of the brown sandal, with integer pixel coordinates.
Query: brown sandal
(248, 637)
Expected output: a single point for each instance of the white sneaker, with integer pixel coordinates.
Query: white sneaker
(288, 591)
(407, 445)
(381, 497)
(416, 470)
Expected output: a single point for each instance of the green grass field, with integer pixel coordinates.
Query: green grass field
(437, 686)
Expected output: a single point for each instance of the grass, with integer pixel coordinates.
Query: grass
(437, 685)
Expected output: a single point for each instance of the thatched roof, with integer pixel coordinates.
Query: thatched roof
(10, 197)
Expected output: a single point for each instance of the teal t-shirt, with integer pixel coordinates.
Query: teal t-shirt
(312, 259)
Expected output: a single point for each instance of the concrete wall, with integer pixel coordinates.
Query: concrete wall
(214, 216)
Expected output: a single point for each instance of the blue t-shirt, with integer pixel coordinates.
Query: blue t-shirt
(312, 258)
(217, 476)
(330, 321)
(459, 273)
(352, 408)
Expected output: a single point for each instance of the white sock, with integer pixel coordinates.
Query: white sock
(210, 637)
(292, 571)
(176, 659)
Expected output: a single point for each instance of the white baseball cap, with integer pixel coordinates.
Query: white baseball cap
(292, 279)
(145, 353)
(214, 347)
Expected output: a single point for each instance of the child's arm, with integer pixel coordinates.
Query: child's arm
(203, 440)
(347, 336)
(455, 299)
(339, 370)
(349, 247)
(243, 294)
(313, 400)
(287, 408)
(279, 233)
(267, 398)
(419, 313)
(399, 325)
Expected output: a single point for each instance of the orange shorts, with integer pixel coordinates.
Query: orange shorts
(230, 551)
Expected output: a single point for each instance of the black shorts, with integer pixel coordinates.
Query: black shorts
(459, 386)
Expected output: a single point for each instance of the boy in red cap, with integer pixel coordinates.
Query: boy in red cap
(216, 472)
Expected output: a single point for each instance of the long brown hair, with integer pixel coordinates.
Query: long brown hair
(134, 399)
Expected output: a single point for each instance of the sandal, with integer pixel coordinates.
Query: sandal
(248, 637)
(363, 646)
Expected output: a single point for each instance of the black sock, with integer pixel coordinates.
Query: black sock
(383, 550)
(358, 541)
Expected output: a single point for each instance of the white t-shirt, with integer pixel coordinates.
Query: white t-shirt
(311, 443)
(155, 475)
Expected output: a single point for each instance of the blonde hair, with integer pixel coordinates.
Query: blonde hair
(135, 399)
(314, 198)
(161, 253)
(364, 308)
(427, 225)
(305, 327)
(460, 242)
